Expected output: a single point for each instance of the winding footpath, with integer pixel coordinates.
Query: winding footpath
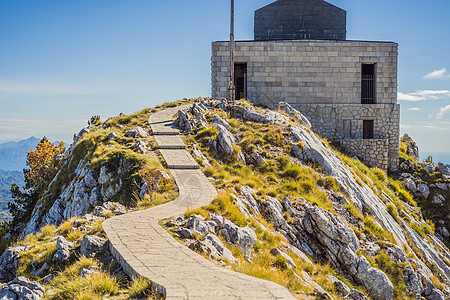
(144, 248)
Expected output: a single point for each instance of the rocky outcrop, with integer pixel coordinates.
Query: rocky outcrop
(80, 197)
(213, 247)
(249, 113)
(193, 119)
(91, 244)
(9, 262)
(62, 253)
(225, 141)
(361, 194)
(292, 112)
(243, 237)
(411, 148)
(137, 132)
(22, 288)
(341, 243)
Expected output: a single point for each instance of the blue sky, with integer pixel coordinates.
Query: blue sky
(64, 61)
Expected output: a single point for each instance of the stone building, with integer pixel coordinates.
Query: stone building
(347, 89)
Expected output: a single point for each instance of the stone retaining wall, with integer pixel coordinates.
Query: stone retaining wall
(373, 153)
(338, 122)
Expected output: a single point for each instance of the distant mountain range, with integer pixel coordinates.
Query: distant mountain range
(7, 178)
(13, 155)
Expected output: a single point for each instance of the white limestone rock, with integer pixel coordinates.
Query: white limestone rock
(218, 120)
(62, 253)
(112, 136)
(22, 288)
(214, 247)
(410, 184)
(88, 272)
(137, 132)
(9, 262)
(289, 260)
(225, 141)
(91, 244)
(412, 281)
(423, 190)
(287, 108)
(243, 237)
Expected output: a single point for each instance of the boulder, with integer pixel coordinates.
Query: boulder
(356, 295)
(9, 262)
(225, 141)
(318, 290)
(372, 249)
(62, 253)
(141, 147)
(198, 224)
(112, 136)
(410, 184)
(423, 190)
(137, 132)
(100, 211)
(22, 288)
(218, 120)
(91, 244)
(88, 272)
(243, 237)
(288, 259)
(340, 287)
(214, 247)
(443, 168)
(258, 159)
(397, 254)
(341, 243)
(438, 200)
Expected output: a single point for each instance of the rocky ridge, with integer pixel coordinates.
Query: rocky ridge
(314, 231)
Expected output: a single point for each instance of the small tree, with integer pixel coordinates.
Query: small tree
(43, 163)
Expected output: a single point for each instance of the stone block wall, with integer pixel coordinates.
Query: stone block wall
(305, 71)
(375, 151)
(300, 19)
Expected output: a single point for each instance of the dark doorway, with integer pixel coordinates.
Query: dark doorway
(368, 84)
(367, 129)
(240, 80)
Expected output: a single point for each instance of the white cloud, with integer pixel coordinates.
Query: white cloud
(405, 126)
(437, 74)
(423, 95)
(414, 109)
(444, 110)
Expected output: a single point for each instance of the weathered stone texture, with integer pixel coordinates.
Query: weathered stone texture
(306, 71)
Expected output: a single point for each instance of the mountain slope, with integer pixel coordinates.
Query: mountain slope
(290, 208)
(7, 178)
(13, 155)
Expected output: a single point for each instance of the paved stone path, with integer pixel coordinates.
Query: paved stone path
(144, 248)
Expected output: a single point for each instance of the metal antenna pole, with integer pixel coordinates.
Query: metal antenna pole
(231, 88)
